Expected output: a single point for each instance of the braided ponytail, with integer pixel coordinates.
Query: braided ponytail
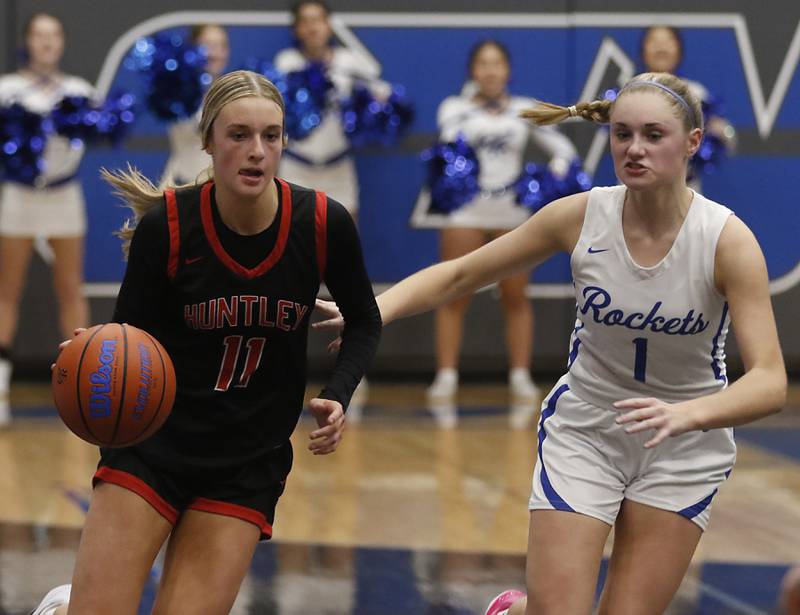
(545, 113)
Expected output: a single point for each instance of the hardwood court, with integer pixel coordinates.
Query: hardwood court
(405, 518)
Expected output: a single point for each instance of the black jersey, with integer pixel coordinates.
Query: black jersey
(233, 313)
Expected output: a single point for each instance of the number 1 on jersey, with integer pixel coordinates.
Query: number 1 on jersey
(640, 362)
(233, 343)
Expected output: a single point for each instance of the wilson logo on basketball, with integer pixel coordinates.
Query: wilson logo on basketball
(145, 381)
(100, 399)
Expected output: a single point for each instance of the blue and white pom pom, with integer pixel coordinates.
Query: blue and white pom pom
(117, 114)
(306, 99)
(23, 135)
(711, 153)
(174, 74)
(452, 175)
(81, 121)
(573, 181)
(713, 150)
(369, 121)
(537, 185)
(305, 94)
(531, 187)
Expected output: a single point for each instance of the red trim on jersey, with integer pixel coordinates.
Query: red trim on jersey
(174, 232)
(233, 510)
(277, 250)
(321, 226)
(139, 487)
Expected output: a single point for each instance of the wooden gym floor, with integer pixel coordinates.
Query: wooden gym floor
(407, 517)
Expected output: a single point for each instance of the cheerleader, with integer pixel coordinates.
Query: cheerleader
(323, 158)
(188, 162)
(53, 208)
(662, 51)
(487, 116)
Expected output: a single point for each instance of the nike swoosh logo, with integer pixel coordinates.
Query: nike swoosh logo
(593, 251)
(189, 261)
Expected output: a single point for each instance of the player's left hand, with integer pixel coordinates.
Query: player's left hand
(330, 420)
(642, 413)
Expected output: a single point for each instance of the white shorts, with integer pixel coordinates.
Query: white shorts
(47, 212)
(337, 180)
(588, 464)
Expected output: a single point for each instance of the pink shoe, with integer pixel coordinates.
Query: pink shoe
(504, 601)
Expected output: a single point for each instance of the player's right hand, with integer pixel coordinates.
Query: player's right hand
(65, 343)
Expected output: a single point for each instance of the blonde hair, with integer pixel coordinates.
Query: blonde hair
(233, 86)
(674, 90)
(140, 194)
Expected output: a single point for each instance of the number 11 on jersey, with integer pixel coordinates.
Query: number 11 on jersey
(230, 358)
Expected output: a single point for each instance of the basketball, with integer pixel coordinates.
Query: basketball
(113, 385)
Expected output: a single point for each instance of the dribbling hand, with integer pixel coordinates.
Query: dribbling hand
(334, 321)
(66, 343)
(330, 419)
(650, 413)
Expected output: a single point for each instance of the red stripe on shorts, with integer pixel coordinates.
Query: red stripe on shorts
(139, 487)
(233, 510)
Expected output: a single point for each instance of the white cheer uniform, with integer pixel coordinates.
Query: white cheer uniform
(640, 332)
(188, 162)
(55, 207)
(499, 141)
(323, 158)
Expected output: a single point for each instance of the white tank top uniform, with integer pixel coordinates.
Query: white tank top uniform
(55, 207)
(639, 332)
(499, 140)
(323, 159)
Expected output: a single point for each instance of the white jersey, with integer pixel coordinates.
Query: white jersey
(647, 331)
(328, 140)
(61, 158)
(499, 140)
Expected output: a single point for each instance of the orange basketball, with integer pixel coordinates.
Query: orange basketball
(114, 385)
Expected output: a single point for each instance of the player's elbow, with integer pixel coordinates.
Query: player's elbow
(776, 388)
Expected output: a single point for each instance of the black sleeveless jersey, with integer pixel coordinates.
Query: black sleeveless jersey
(233, 313)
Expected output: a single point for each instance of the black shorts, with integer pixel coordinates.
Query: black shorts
(249, 492)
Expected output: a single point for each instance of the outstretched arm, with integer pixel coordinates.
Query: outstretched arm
(554, 228)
